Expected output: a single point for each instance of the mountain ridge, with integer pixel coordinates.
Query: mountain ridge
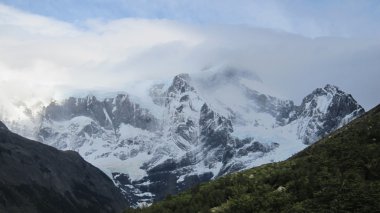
(185, 132)
(35, 177)
(339, 173)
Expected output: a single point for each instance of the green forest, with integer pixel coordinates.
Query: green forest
(340, 173)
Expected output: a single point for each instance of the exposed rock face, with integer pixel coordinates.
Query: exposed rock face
(109, 113)
(190, 130)
(280, 109)
(38, 178)
(98, 119)
(323, 111)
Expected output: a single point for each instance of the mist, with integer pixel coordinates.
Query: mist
(42, 58)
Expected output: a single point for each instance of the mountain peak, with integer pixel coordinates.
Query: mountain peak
(328, 92)
(326, 109)
(331, 88)
(183, 76)
(181, 84)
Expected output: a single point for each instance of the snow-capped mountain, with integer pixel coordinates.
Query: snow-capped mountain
(189, 130)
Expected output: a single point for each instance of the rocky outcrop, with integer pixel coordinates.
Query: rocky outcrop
(108, 113)
(323, 111)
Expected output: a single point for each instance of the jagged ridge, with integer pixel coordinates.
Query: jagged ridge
(340, 173)
(193, 138)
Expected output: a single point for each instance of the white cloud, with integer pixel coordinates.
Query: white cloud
(45, 57)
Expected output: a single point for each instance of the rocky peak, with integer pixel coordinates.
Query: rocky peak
(121, 98)
(183, 105)
(323, 100)
(331, 88)
(325, 110)
(327, 89)
(180, 84)
(91, 99)
(108, 113)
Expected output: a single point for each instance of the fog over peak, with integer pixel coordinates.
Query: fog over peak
(43, 58)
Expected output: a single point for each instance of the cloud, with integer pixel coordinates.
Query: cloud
(308, 18)
(43, 57)
(47, 51)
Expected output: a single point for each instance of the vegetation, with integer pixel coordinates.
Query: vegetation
(340, 173)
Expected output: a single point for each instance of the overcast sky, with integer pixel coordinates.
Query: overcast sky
(48, 47)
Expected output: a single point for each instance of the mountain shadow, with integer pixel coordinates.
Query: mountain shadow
(37, 178)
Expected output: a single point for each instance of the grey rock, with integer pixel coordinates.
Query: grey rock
(109, 113)
(322, 121)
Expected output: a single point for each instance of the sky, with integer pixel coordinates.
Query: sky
(51, 47)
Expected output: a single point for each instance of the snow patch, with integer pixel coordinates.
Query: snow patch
(129, 131)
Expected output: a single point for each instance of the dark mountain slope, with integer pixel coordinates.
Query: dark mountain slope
(37, 178)
(340, 173)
